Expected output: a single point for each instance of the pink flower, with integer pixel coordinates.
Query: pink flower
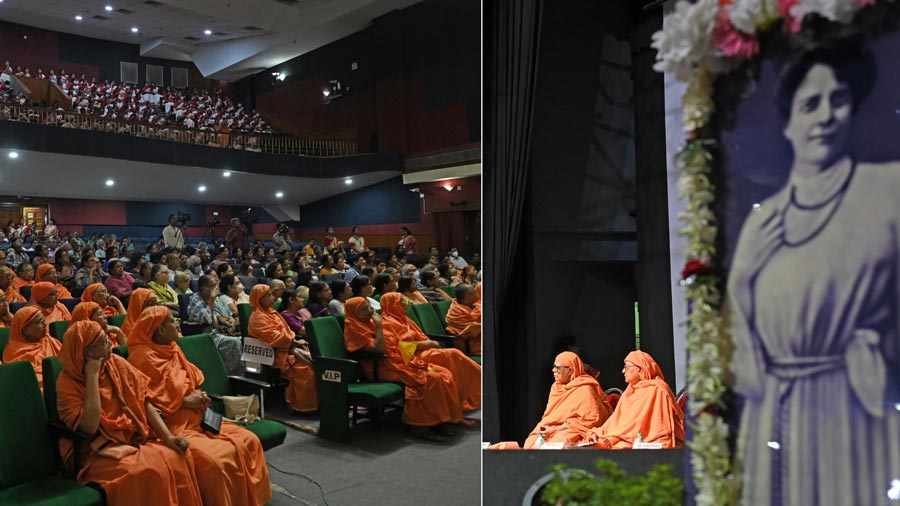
(732, 42)
(784, 8)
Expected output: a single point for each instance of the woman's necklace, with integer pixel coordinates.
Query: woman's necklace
(803, 222)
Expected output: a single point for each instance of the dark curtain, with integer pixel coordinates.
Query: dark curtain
(510, 43)
(449, 230)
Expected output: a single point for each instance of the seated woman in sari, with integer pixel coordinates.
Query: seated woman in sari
(293, 311)
(431, 396)
(165, 294)
(141, 299)
(230, 466)
(201, 310)
(29, 340)
(135, 458)
(47, 272)
(647, 407)
(92, 311)
(319, 297)
(110, 304)
(464, 319)
(291, 353)
(44, 297)
(466, 372)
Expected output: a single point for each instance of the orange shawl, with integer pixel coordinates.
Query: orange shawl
(460, 315)
(357, 333)
(123, 389)
(20, 349)
(269, 327)
(19, 282)
(84, 311)
(411, 373)
(647, 407)
(135, 307)
(88, 296)
(396, 320)
(172, 377)
(42, 271)
(13, 296)
(576, 406)
(40, 291)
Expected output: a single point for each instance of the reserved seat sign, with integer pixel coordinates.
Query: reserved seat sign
(258, 352)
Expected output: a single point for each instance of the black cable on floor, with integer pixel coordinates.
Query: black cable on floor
(298, 475)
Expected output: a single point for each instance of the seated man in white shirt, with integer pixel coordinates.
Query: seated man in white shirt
(457, 261)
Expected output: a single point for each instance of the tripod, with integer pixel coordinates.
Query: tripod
(210, 235)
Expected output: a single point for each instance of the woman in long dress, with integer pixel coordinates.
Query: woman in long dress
(813, 306)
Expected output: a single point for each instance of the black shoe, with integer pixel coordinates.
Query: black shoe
(442, 430)
(425, 433)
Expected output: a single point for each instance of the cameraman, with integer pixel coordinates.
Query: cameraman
(173, 234)
(282, 238)
(234, 238)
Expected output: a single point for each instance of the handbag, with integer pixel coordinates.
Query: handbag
(241, 409)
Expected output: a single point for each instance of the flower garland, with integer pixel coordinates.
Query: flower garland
(699, 41)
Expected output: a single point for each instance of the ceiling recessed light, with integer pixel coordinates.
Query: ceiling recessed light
(201, 188)
(348, 181)
(13, 154)
(207, 32)
(110, 182)
(78, 17)
(227, 173)
(108, 8)
(279, 194)
(134, 29)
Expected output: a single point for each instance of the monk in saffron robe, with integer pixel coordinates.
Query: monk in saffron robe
(141, 298)
(44, 297)
(47, 272)
(231, 465)
(6, 287)
(647, 407)
(103, 395)
(92, 311)
(97, 292)
(29, 340)
(464, 319)
(6, 315)
(431, 397)
(24, 276)
(466, 372)
(291, 355)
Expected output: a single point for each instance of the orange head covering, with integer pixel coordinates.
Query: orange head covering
(42, 271)
(396, 320)
(135, 306)
(572, 361)
(88, 294)
(18, 348)
(123, 389)
(84, 311)
(256, 294)
(649, 368)
(21, 318)
(172, 377)
(357, 333)
(41, 290)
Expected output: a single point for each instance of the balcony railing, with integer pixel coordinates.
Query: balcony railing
(263, 143)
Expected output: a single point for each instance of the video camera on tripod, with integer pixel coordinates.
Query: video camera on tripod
(182, 219)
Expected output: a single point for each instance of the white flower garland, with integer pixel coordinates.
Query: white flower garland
(700, 40)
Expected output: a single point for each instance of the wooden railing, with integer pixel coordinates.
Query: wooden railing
(264, 143)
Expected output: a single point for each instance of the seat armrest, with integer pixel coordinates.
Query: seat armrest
(250, 381)
(215, 397)
(442, 337)
(60, 429)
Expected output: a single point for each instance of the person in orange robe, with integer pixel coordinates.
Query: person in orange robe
(466, 372)
(47, 272)
(92, 311)
(291, 355)
(431, 396)
(6, 315)
(29, 340)
(231, 466)
(24, 276)
(44, 296)
(141, 298)
(6, 287)
(647, 407)
(464, 319)
(97, 292)
(101, 394)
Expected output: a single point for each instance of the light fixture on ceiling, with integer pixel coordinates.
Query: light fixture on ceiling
(134, 29)
(278, 77)
(201, 188)
(279, 195)
(348, 181)
(227, 173)
(449, 187)
(334, 90)
(13, 154)
(110, 182)
(108, 8)
(78, 17)
(207, 32)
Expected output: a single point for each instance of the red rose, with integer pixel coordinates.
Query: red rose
(694, 268)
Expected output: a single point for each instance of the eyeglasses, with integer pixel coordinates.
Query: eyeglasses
(628, 366)
(558, 367)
